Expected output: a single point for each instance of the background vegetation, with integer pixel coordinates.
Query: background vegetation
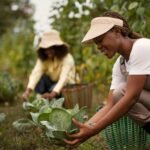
(16, 28)
(72, 18)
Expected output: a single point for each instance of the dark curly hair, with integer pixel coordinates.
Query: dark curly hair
(125, 30)
(60, 51)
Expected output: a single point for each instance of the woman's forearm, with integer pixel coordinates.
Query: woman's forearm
(134, 87)
(117, 111)
(100, 114)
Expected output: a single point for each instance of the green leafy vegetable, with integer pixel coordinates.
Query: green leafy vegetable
(23, 125)
(55, 120)
(60, 118)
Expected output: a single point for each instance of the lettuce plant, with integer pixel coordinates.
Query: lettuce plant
(23, 125)
(53, 118)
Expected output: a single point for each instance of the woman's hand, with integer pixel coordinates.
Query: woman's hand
(50, 95)
(26, 94)
(85, 132)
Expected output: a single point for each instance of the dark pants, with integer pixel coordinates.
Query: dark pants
(45, 85)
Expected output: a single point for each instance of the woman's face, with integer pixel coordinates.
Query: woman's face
(50, 52)
(108, 43)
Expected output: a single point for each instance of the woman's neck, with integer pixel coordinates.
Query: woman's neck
(126, 47)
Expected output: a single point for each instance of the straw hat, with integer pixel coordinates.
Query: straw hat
(99, 26)
(51, 38)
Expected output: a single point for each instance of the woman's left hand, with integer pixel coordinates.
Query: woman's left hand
(85, 132)
(50, 95)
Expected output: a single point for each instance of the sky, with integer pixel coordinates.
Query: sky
(41, 17)
(41, 14)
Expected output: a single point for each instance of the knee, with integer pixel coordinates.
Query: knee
(119, 92)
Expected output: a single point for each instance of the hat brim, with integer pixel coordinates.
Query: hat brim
(47, 44)
(95, 31)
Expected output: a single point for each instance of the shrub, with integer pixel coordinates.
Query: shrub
(9, 87)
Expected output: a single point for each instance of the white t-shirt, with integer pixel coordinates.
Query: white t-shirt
(138, 63)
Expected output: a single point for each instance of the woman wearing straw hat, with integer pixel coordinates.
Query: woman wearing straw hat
(130, 87)
(54, 68)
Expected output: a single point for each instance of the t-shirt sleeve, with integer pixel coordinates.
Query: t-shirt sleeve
(140, 58)
(117, 76)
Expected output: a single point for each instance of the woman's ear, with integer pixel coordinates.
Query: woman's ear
(117, 31)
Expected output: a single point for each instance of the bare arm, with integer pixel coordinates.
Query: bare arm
(135, 85)
(102, 112)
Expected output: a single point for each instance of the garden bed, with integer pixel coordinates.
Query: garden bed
(10, 139)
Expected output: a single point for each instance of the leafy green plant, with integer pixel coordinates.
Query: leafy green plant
(9, 87)
(34, 103)
(23, 125)
(53, 119)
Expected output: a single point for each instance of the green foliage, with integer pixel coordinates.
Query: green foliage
(17, 51)
(86, 61)
(23, 125)
(72, 18)
(73, 22)
(34, 103)
(16, 44)
(11, 11)
(53, 118)
(136, 12)
(10, 139)
(9, 88)
(2, 117)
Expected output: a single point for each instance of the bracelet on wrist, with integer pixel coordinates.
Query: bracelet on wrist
(91, 124)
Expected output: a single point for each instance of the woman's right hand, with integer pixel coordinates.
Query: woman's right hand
(85, 132)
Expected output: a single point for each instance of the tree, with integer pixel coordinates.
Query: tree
(16, 47)
(72, 17)
(16, 50)
(11, 11)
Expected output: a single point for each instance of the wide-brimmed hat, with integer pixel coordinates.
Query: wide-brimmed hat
(51, 38)
(99, 26)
